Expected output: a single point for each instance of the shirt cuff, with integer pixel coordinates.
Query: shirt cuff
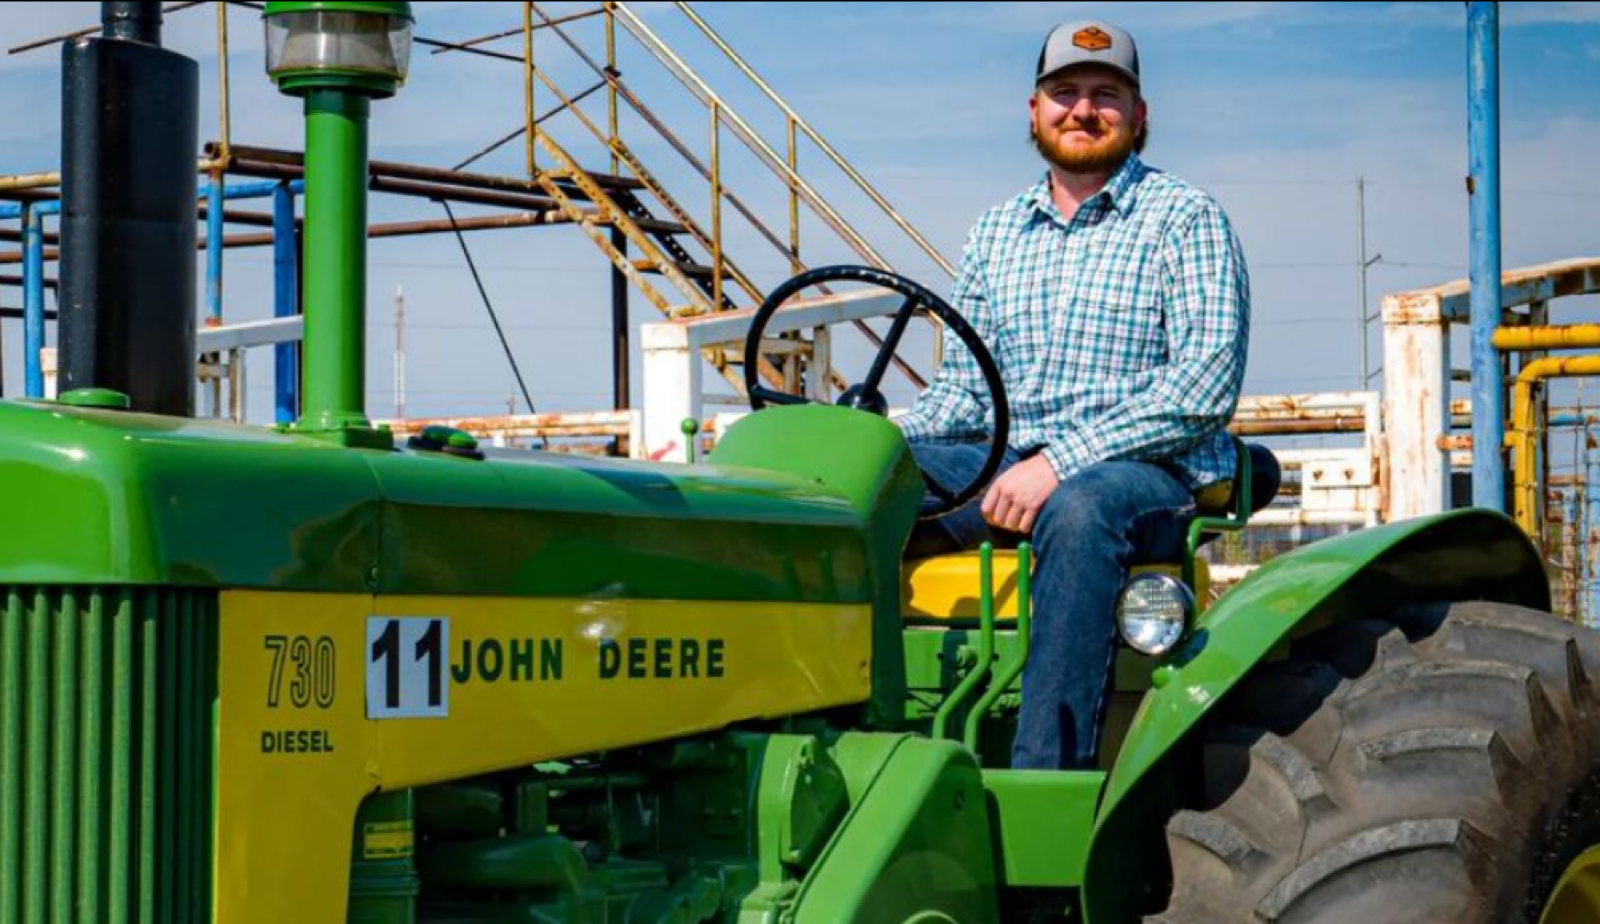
(1073, 452)
(913, 426)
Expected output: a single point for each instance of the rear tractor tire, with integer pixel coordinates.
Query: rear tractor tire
(1439, 765)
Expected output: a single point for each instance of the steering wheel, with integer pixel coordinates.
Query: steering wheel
(866, 396)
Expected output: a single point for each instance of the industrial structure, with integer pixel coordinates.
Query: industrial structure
(656, 247)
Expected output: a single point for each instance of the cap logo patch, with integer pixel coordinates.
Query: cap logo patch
(1092, 39)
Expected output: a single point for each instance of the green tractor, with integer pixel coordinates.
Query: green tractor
(307, 675)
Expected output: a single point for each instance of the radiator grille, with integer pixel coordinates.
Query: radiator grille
(107, 700)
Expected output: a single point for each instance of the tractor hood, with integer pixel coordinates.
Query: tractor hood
(106, 497)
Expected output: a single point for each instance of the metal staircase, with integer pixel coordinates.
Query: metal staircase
(668, 244)
(679, 264)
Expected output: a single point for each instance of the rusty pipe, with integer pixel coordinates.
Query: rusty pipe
(9, 280)
(51, 254)
(90, 30)
(433, 226)
(468, 44)
(1526, 431)
(1349, 423)
(16, 237)
(439, 175)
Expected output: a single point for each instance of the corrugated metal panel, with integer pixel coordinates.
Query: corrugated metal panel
(106, 754)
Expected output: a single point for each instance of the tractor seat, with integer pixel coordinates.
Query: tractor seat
(945, 587)
(1266, 477)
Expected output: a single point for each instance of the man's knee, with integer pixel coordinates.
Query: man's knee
(1103, 505)
(1086, 502)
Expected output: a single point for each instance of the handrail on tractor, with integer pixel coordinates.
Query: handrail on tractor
(1013, 668)
(969, 683)
(1238, 517)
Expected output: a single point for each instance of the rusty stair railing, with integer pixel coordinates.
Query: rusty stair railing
(659, 230)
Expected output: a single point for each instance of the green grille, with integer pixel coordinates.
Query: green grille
(106, 754)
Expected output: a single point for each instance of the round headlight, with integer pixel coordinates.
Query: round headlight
(1153, 613)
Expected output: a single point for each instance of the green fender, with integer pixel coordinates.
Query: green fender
(1462, 555)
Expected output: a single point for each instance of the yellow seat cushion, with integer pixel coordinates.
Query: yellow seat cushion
(946, 587)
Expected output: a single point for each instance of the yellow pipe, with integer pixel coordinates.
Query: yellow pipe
(30, 181)
(611, 86)
(1526, 432)
(224, 96)
(531, 130)
(53, 179)
(1562, 337)
(795, 267)
(716, 206)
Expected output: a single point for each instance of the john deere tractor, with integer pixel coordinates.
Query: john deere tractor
(308, 675)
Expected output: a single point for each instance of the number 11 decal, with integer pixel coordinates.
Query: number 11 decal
(406, 667)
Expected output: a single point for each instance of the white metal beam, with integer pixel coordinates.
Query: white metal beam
(673, 369)
(249, 334)
(1416, 404)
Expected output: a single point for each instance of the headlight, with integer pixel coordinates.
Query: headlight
(1153, 613)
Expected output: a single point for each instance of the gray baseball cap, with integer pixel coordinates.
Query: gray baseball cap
(1089, 41)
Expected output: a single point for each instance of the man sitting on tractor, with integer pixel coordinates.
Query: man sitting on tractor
(1116, 301)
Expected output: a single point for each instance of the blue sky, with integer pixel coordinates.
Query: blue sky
(1276, 108)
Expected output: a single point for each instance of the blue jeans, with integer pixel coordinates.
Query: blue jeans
(1097, 525)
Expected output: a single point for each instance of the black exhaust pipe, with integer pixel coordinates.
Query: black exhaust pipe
(131, 22)
(129, 133)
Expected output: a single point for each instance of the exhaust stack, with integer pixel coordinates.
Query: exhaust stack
(129, 132)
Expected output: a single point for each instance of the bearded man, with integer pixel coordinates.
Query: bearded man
(1116, 302)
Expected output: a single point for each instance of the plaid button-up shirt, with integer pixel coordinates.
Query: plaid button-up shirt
(1120, 333)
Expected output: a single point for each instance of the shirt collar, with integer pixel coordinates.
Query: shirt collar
(1119, 189)
(1117, 193)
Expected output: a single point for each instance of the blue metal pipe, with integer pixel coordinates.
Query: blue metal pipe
(33, 214)
(38, 208)
(1483, 143)
(285, 300)
(253, 190)
(33, 299)
(260, 190)
(214, 234)
(14, 210)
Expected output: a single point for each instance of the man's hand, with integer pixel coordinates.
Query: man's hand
(1014, 500)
